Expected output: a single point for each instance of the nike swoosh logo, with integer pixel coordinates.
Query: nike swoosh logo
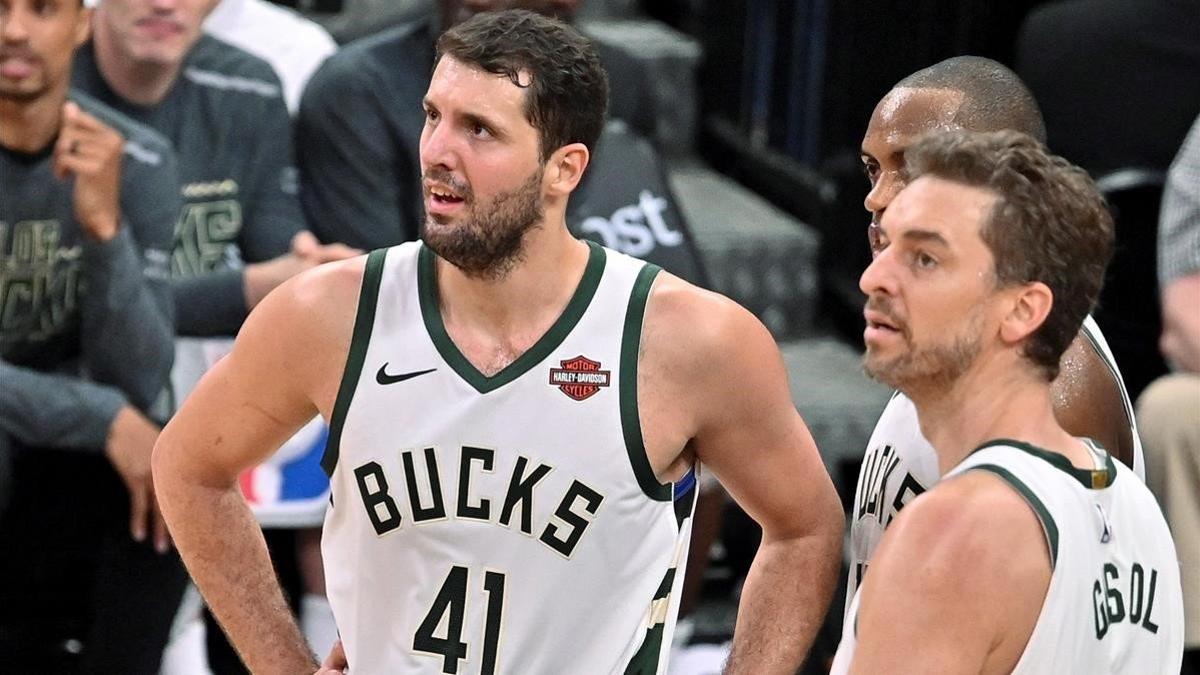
(382, 376)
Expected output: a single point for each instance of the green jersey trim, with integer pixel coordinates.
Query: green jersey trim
(645, 661)
(1049, 527)
(364, 323)
(1092, 479)
(1111, 367)
(432, 315)
(631, 423)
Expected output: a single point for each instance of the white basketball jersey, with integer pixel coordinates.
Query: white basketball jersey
(1114, 604)
(507, 523)
(900, 464)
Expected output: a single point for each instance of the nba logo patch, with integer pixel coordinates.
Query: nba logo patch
(579, 378)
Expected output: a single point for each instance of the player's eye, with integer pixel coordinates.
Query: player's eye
(871, 170)
(924, 261)
(480, 131)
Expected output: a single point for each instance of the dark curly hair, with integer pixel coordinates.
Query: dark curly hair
(567, 87)
(1049, 223)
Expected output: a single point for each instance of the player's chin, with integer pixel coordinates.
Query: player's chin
(879, 365)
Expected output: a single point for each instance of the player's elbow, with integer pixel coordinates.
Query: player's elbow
(163, 469)
(169, 466)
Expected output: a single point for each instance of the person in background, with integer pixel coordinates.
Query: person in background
(293, 45)
(88, 203)
(1169, 409)
(241, 231)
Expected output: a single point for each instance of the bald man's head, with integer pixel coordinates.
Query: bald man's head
(965, 92)
(993, 97)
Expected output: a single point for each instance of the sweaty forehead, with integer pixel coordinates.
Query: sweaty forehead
(906, 113)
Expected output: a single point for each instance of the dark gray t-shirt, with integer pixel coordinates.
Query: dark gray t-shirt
(84, 327)
(232, 133)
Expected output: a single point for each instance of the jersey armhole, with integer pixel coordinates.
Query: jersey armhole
(631, 424)
(1049, 527)
(364, 323)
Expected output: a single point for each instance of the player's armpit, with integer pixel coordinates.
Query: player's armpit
(1087, 400)
(957, 583)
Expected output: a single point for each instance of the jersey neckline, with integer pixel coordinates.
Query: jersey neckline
(1092, 479)
(551, 339)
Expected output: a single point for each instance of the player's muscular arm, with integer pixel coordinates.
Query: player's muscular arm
(726, 371)
(1087, 400)
(285, 367)
(931, 603)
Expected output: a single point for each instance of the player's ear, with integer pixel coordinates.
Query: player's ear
(1031, 304)
(565, 168)
(83, 26)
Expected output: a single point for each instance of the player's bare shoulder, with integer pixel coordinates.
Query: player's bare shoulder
(705, 346)
(686, 324)
(965, 522)
(307, 323)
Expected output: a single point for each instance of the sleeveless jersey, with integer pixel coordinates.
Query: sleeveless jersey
(499, 524)
(900, 464)
(1114, 604)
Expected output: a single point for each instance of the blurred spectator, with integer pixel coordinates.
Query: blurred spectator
(87, 206)
(1093, 65)
(350, 20)
(241, 231)
(1169, 410)
(292, 44)
(360, 123)
(223, 110)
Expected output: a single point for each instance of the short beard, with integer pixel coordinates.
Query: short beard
(489, 242)
(933, 368)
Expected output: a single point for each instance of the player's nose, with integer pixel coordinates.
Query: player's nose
(878, 277)
(438, 148)
(882, 193)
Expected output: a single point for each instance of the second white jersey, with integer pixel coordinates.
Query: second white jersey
(1114, 604)
(507, 523)
(900, 464)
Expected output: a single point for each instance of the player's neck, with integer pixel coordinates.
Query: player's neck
(527, 299)
(138, 82)
(30, 126)
(996, 398)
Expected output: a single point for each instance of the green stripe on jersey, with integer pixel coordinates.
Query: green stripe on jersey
(1049, 527)
(1092, 479)
(364, 323)
(631, 423)
(645, 661)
